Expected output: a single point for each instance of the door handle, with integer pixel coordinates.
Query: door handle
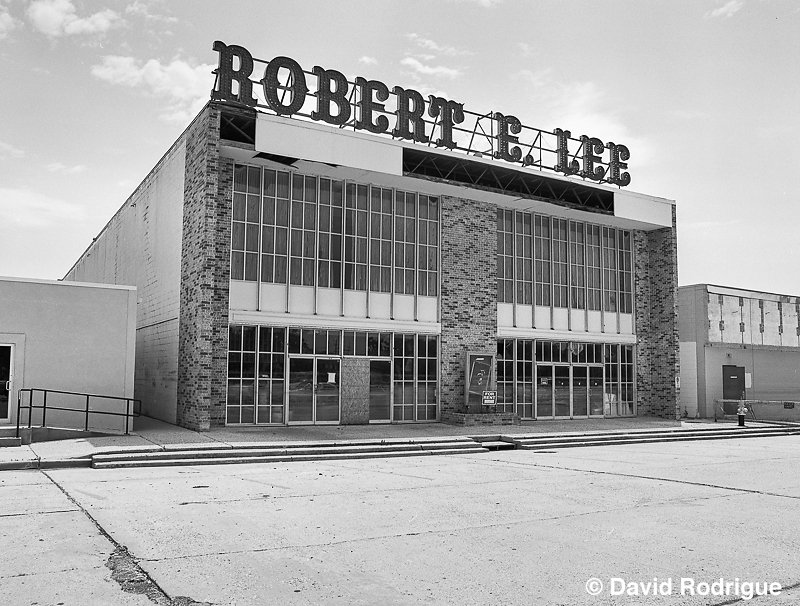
(8, 385)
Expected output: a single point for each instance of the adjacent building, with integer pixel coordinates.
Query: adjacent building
(298, 266)
(738, 344)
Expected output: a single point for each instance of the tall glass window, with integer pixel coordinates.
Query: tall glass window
(246, 223)
(428, 252)
(593, 276)
(426, 377)
(305, 230)
(505, 256)
(355, 239)
(380, 240)
(505, 375)
(303, 234)
(329, 247)
(241, 374)
(560, 263)
(404, 377)
(609, 269)
(577, 265)
(625, 272)
(523, 227)
(405, 237)
(542, 257)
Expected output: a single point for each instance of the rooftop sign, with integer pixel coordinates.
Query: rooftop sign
(326, 95)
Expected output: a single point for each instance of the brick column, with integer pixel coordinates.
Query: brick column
(656, 301)
(469, 291)
(205, 273)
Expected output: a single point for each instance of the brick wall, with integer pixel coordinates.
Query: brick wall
(203, 333)
(469, 291)
(656, 297)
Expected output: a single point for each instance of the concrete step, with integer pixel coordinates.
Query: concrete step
(676, 431)
(148, 460)
(735, 432)
(10, 441)
(629, 439)
(497, 445)
(281, 450)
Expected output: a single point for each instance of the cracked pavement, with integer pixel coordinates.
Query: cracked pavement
(512, 526)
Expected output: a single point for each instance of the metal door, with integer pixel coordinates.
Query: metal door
(732, 387)
(313, 394)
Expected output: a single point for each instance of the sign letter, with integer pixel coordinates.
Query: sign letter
(296, 85)
(451, 113)
(367, 105)
(325, 96)
(504, 125)
(619, 153)
(408, 117)
(592, 144)
(564, 165)
(226, 74)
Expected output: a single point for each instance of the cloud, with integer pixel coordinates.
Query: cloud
(56, 18)
(63, 169)
(429, 70)
(367, 60)
(483, 3)
(7, 22)
(27, 208)
(432, 45)
(141, 9)
(728, 9)
(9, 151)
(186, 87)
(583, 108)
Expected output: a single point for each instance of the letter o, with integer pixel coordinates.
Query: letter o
(298, 86)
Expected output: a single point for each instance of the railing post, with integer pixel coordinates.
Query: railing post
(44, 409)
(19, 404)
(86, 424)
(30, 409)
(127, 414)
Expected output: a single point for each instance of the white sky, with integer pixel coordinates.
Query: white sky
(704, 93)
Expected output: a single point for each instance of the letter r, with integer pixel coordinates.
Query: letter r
(226, 74)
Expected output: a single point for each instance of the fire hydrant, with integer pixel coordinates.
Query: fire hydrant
(741, 411)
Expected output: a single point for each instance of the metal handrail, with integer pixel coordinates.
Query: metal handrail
(137, 405)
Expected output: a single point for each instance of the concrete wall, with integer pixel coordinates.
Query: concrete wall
(141, 246)
(775, 372)
(70, 337)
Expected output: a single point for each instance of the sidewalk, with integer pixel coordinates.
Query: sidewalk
(151, 435)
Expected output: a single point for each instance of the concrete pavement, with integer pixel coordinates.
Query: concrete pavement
(518, 527)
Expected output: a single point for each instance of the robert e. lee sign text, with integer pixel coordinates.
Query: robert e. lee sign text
(361, 105)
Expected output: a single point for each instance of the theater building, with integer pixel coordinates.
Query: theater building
(298, 261)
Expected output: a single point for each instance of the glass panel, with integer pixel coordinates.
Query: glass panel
(5, 375)
(580, 391)
(544, 391)
(327, 390)
(561, 391)
(595, 390)
(380, 381)
(301, 389)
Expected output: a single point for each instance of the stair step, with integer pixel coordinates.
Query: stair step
(643, 440)
(199, 453)
(498, 445)
(685, 435)
(146, 461)
(10, 441)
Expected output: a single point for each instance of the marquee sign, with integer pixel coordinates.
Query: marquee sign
(326, 95)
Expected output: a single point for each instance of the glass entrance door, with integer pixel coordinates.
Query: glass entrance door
(580, 391)
(596, 391)
(380, 391)
(5, 382)
(561, 392)
(544, 391)
(313, 394)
